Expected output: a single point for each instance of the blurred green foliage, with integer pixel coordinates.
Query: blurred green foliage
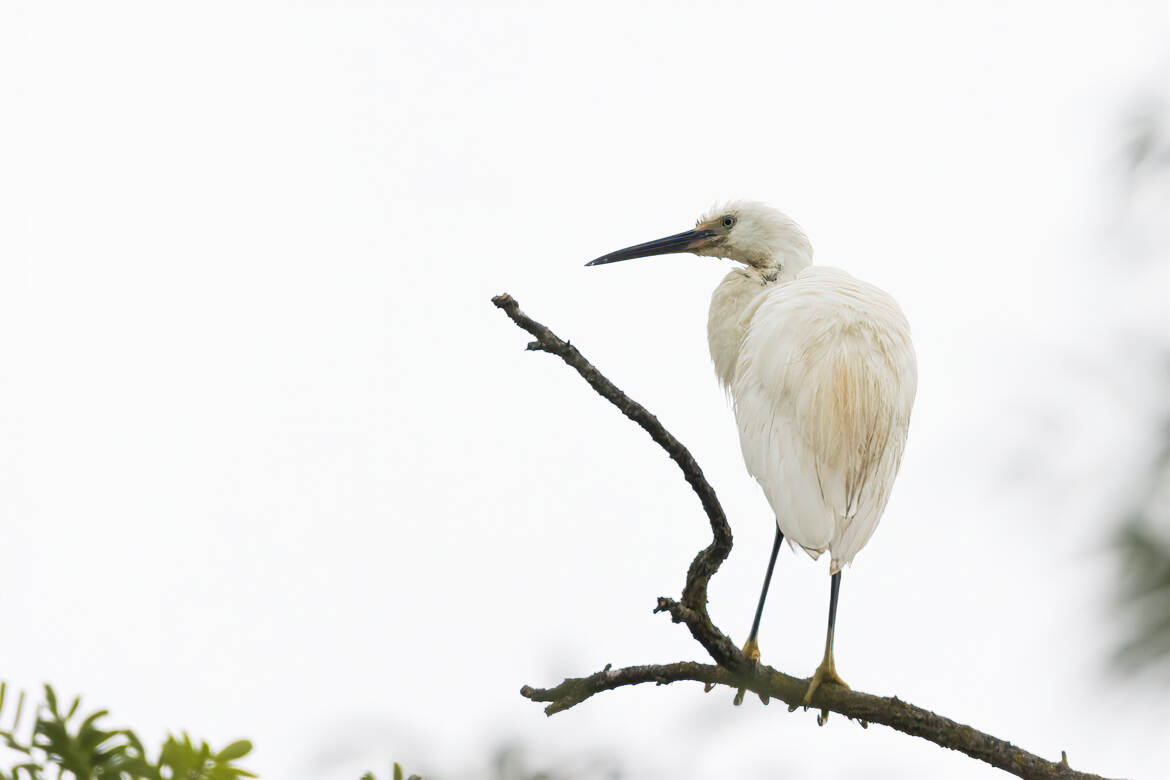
(1143, 538)
(397, 774)
(1144, 546)
(64, 744)
(513, 761)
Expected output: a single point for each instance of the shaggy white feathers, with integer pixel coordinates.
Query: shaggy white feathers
(822, 373)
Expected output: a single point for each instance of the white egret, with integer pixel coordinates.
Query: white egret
(822, 374)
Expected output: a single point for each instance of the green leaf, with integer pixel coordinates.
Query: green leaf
(89, 722)
(237, 749)
(51, 700)
(397, 771)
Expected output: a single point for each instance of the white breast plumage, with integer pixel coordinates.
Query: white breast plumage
(823, 385)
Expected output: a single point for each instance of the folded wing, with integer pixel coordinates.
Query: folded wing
(824, 385)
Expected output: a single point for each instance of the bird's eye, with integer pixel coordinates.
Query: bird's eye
(728, 221)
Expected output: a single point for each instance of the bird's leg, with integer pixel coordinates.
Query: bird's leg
(751, 647)
(827, 671)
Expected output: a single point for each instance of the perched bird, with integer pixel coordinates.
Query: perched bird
(822, 374)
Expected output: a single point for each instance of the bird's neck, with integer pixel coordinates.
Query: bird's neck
(735, 299)
(732, 305)
(782, 263)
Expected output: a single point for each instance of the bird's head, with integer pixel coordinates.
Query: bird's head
(745, 231)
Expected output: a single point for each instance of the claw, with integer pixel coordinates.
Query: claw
(825, 673)
(751, 649)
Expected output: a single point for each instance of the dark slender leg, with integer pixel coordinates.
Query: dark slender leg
(827, 671)
(767, 582)
(834, 589)
(751, 648)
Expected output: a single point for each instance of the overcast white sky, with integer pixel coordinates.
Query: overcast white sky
(272, 466)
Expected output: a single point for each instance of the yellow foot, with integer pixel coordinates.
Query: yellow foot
(751, 649)
(825, 673)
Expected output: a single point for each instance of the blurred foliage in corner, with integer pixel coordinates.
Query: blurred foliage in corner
(1143, 541)
(65, 744)
(512, 761)
(397, 774)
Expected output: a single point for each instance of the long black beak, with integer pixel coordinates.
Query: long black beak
(679, 242)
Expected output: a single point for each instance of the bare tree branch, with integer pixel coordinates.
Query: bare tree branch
(693, 610)
(734, 669)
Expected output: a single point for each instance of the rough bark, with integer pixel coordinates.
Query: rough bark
(732, 668)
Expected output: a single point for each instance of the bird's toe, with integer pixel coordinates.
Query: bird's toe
(751, 649)
(825, 673)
